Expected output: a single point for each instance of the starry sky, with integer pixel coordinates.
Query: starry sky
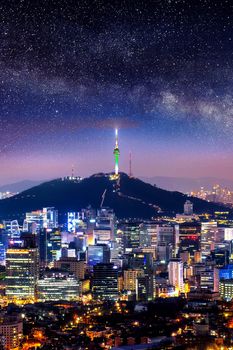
(71, 71)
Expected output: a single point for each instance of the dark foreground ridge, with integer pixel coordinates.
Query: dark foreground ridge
(132, 199)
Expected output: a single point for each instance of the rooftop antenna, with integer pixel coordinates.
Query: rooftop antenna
(72, 171)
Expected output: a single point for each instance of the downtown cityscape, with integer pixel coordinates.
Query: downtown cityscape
(116, 185)
(92, 280)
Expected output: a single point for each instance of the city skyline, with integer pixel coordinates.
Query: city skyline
(116, 174)
(160, 72)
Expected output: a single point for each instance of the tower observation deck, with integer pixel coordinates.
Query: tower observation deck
(116, 153)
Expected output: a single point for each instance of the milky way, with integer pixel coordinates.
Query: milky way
(71, 71)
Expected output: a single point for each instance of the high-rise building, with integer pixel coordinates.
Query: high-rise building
(209, 279)
(43, 238)
(4, 242)
(144, 237)
(207, 276)
(175, 274)
(131, 235)
(144, 287)
(58, 285)
(22, 269)
(152, 232)
(140, 260)
(105, 281)
(105, 224)
(34, 221)
(228, 233)
(116, 253)
(50, 218)
(46, 218)
(73, 265)
(82, 221)
(164, 252)
(2, 254)
(72, 221)
(54, 245)
(166, 242)
(49, 242)
(102, 236)
(165, 233)
(11, 331)
(226, 272)
(209, 233)
(130, 278)
(226, 289)
(188, 237)
(12, 228)
(99, 253)
(220, 257)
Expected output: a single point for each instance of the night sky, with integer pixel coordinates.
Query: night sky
(72, 71)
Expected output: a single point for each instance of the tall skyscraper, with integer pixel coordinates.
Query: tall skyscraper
(116, 153)
(49, 242)
(209, 232)
(105, 225)
(22, 269)
(105, 281)
(131, 235)
(175, 274)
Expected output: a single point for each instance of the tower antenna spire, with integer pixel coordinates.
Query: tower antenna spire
(116, 136)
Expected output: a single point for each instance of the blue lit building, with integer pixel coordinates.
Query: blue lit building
(4, 243)
(99, 253)
(49, 242)
(226, 273)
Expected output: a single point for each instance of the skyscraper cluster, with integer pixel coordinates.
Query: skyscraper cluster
(130, 260)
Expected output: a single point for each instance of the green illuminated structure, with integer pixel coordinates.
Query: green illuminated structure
(116, 153)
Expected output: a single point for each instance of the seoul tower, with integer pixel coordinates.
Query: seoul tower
(116, 153)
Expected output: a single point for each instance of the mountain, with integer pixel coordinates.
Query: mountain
(181, 184)
(185, 185)
(19, 186)
(134, 198)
